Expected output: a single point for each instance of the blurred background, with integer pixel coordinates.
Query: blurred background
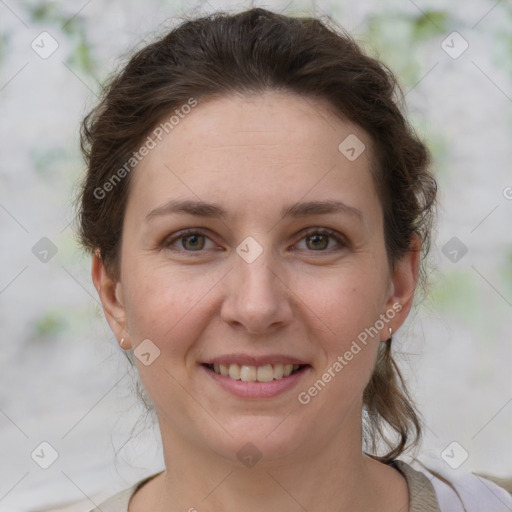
(72, 432)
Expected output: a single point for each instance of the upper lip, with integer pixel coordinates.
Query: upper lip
(246, 359)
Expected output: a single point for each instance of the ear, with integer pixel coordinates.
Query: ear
(110, 292)
(402, 288)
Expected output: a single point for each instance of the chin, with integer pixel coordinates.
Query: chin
(257, 440)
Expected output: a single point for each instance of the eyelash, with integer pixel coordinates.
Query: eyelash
(314, 231)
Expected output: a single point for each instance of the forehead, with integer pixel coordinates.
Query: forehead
(261, 150)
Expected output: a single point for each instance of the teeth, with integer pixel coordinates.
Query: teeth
(265, 373)
(248, 373)
(234, 371)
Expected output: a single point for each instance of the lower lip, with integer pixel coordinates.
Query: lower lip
(257, 389)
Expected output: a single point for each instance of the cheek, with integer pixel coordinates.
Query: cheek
(351, 301)
(165, 305)
(349, 350)
(350, 311)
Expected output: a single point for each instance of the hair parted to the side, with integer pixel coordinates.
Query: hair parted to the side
(256, 51)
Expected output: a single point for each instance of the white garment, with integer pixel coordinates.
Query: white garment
(467, 492)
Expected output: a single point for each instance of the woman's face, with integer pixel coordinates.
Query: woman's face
(255, 287)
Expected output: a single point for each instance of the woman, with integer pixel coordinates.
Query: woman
(259, 212)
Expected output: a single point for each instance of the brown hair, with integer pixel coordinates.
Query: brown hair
(250, 52)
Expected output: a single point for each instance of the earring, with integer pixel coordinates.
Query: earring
(390, 339)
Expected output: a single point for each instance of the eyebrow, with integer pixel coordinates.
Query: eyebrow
(212, 210)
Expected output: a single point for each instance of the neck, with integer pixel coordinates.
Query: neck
(335, 476)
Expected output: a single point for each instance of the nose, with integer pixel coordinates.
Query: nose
(257, 294)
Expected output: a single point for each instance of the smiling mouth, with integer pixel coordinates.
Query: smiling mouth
(249, 373)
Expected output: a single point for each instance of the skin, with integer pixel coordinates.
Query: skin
(253, 155)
